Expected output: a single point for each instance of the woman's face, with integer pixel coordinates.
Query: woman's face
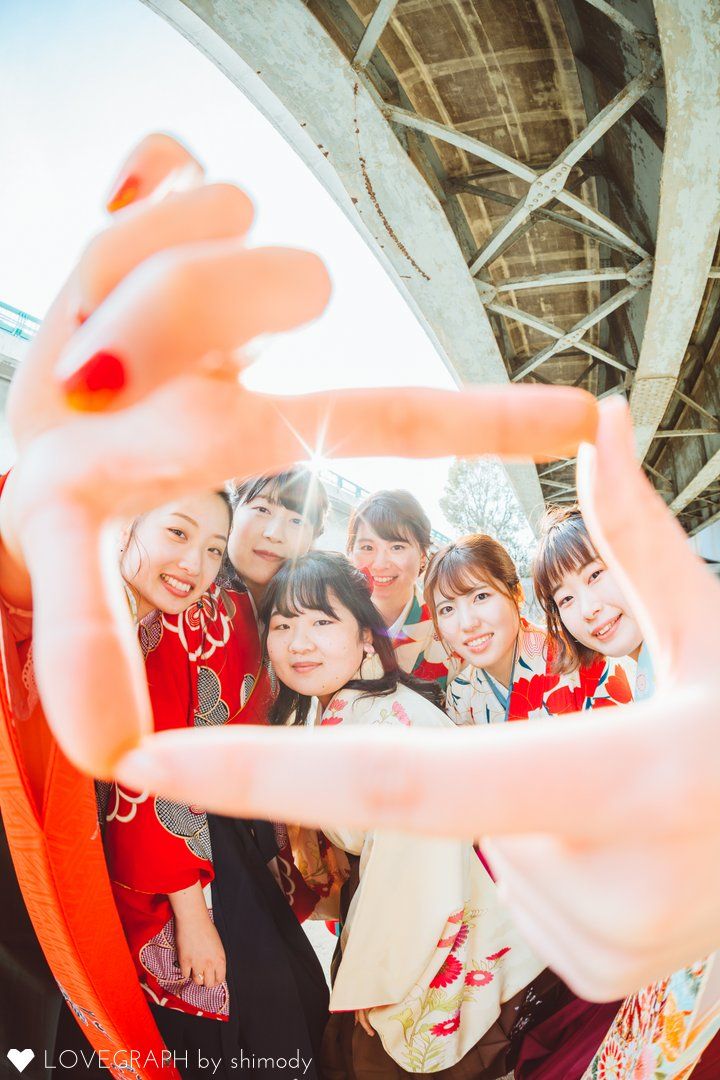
(264, 534)
(394, 565)
(480, 625)
(173, 554)
(595, 612)
(314, 653)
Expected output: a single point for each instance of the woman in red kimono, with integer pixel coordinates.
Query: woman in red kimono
(211, 905)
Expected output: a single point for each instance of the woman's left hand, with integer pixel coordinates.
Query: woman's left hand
(362, 1018)
(130, 397)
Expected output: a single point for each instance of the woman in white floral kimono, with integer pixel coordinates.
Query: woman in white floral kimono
(389, 539)
(667, 1029)
(431, 974)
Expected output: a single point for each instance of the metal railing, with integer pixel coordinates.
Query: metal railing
(17, 323)
(355, 493)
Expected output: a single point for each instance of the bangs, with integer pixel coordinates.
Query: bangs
(565, 549)
(458, 573)
(383, 520)
(302, 589)
(298, 490)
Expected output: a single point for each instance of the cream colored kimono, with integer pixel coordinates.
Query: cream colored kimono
(426, 946)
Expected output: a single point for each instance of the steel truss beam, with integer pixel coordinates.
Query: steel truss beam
(689, 207)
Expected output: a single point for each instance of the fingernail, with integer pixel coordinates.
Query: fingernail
(93, 386)
(124, 194)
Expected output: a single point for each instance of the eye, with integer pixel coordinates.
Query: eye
(217, 551)
(563, 601)
(481, 596)
(399, 547)
(298, 521)
(446, 609)
(178, 532)
(324, 622)
(279, 626)
(366, 547)
(261, 509)
(596, 574)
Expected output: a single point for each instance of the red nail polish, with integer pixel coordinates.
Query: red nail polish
(124, 194)
(96, 383)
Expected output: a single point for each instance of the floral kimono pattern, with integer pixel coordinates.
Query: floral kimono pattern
(470, 699)
(204, 668)
(435, 962)
(419, 650)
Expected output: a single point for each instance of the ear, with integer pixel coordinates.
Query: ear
(124, 538)
(367, 642)
(520, 594)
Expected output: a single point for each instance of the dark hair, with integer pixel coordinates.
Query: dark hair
(564, 547)
(393, 515)
(306, 584)
(454, 570)
(296, 488)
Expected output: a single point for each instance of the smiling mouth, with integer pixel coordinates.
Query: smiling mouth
(270, 556)
(607, 628)
(478, 643)
(383, 580)
(304, 666)
(176, 586)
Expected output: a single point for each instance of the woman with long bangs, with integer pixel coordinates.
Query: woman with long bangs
(430, 974)
(213, 936)
(593, 636)
(389, 538)
(592, 629)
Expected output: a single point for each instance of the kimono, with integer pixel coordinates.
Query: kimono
(536, 692)
(664, 1032)
(419, 650)
(425, 945)
(205, 668)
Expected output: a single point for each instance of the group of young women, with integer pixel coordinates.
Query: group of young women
(241, 620)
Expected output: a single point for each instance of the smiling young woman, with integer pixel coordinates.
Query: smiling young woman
(389, 539)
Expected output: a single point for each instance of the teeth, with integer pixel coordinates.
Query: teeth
(181, 586)
(607, 628)
(382, 580)
(478, 640)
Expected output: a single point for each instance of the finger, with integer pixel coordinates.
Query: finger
(364, 1022)
(157, 163)
(609, 768)
(178, 307)
(520, 422)
(665, 582)
(77, 660)
(34, 402)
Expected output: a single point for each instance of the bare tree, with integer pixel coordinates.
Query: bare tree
(478, 498)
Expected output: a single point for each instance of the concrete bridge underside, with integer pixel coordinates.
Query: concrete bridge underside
(540, 179)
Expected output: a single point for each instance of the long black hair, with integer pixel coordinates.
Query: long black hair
(313, 583)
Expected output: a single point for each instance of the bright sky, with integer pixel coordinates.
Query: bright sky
(82, 81)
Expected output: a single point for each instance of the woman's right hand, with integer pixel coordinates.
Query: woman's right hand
(200, 952)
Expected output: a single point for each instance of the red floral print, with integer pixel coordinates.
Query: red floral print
(497, 955)
(400, 714)
(527, 695)
(429, 672)
(448, 973)
(447, 1027)
(478, 978)
(460, 937)
(565, 700)
(618, 686)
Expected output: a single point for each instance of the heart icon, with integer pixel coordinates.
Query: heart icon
(21, 1058)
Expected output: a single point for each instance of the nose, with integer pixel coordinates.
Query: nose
(468, 615)
(274, 529)
(590, 604)
(191, 561)
(300, 642)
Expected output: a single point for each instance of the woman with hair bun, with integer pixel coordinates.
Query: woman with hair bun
(389, 538)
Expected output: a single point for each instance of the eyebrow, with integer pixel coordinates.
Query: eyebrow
(186, 517)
